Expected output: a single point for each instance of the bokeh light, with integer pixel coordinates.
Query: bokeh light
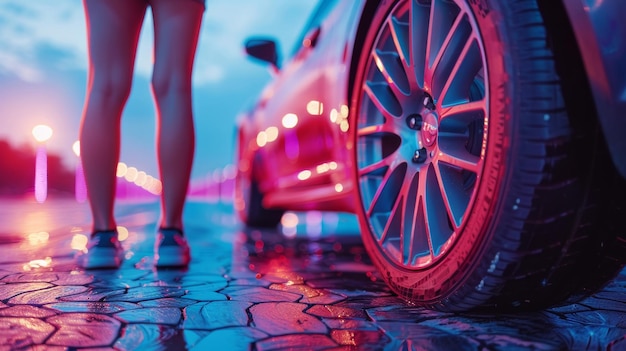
(39, 263)
(304, 175)
(261, 138)
(315, 108)
(38, 238)
(121, 169)
(272, 133)
(42, 133)
(289, 223)
(76, 148)
(338, 187)
(79, 242)
(290, 120)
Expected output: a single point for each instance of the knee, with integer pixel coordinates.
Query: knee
(170, 86)
(111, 89)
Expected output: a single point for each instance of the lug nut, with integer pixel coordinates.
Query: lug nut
(414, 122)
(428, 102)
(420, 156)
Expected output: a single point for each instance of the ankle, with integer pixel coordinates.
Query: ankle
(173, 229)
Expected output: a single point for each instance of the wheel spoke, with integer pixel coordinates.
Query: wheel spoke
(377, 129)
(443, 22)
(447, 41)
(378, 144)
(389, 190)
(446, 197)
(383, 98)
(449, 194)
(390, 237)
(437, 213)
(399, 31)
(418, 35)
(422, 225)
(374, 168)
(458, 84)
(465, 111)
(466, 161)
(415, 244)
(390, 66)
(449, 55)
(461, 136)
(384, 204)
(407, 231)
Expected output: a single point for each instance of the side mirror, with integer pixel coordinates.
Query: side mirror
(264, 49)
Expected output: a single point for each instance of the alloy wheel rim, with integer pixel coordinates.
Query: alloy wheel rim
(422, 129)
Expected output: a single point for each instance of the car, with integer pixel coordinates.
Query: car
(480, 143)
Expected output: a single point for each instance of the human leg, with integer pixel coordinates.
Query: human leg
(113, 28)
(177, 26)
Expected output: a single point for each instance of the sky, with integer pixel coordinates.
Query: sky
(43, 73)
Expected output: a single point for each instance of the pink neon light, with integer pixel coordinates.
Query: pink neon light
(41, 174)
(80, 188)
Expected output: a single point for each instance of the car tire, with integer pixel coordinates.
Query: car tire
(482, 189)
(249, 203)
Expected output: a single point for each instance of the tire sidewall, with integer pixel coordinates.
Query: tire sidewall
(434, 285)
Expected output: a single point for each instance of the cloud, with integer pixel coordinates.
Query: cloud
(26, 26)
(11, 64)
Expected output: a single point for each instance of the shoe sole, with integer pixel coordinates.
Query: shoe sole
(100, 258)
(171, 257)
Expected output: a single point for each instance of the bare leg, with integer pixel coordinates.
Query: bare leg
(176, 27)
(113, 28)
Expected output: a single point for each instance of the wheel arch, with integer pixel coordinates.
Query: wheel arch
(367, 15)
(576, 49)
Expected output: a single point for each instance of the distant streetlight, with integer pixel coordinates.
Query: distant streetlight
(80, 188)
(41, 133)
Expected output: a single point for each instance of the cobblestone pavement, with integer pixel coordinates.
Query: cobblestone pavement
(306, 286)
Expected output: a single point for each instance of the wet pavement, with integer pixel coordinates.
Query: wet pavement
(308, 285)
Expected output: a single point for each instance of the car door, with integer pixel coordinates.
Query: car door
(290, 112)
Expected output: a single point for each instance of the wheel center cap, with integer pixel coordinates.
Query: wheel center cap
(430, 129)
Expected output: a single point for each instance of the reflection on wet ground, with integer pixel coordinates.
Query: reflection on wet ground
(308, 285)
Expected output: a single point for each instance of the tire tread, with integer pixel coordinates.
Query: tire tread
(543, 251)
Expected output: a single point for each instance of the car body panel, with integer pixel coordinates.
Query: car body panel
(312, 87)
(600, 30)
